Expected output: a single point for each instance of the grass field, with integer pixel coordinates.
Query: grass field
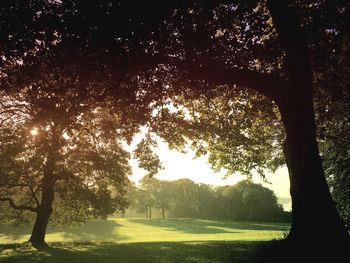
(143, 240)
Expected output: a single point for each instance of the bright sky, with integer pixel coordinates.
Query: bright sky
(179, 165)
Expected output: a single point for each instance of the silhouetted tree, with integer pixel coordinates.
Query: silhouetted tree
(253, 45)
(61, 136)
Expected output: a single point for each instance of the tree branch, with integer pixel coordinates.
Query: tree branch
(217, 73)
(265, 83)
(18, 207)
(24, 185)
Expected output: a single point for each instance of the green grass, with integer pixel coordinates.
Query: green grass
(124, 230)
(165, 252)
(143, 240)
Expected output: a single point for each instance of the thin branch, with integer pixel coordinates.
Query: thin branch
(32, 191)
(18, 207)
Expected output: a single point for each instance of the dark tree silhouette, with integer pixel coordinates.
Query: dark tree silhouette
(139, 38)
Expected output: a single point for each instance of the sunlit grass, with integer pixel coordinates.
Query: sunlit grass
(124, 230)
(143, 240)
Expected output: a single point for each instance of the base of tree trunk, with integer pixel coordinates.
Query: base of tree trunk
(288, 251)
(38, 244)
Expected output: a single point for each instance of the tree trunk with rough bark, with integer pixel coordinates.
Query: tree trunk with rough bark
(37, 238)
(315, 219)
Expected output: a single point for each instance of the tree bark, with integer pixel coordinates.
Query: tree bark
(37, 238)
(314, 214)
(315, 217)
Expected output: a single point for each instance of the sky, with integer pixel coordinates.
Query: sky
(179, 165)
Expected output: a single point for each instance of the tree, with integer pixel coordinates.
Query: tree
(291, 89)
(150, 186)
(60, 136)
(143, 202)
(163, 196)
(154, 193)
(206, 198)
(185, 201)
(255, 45)
(257, 203)
(247, 201)
(223, 203)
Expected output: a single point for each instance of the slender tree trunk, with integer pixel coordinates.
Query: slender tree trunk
(163, 212)
(146, 212)
(37, 237)
(150, 212)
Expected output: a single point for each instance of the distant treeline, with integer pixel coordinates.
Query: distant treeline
(244, 201)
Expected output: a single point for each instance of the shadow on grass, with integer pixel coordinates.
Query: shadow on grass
(220, 252)
(173, 252)
(92, 230)
(197, 226)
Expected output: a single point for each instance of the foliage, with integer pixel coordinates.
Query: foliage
(244, 201)
(331, 79)
(334, 130)
(231, 44)
(61, 123)
(148, 160)
(238, 130)
(223, 121)
(252, 202)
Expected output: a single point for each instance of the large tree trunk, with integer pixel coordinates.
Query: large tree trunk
(315, 217)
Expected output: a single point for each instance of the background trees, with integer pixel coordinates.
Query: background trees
(334, 138)
(244, 201)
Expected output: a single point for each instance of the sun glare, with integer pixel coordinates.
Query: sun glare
(34, 132)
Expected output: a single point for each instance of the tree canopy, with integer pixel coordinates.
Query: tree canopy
(61, 143)
(270, 56)
(182, 198)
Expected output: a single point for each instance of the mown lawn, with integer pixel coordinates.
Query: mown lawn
(143, 240)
